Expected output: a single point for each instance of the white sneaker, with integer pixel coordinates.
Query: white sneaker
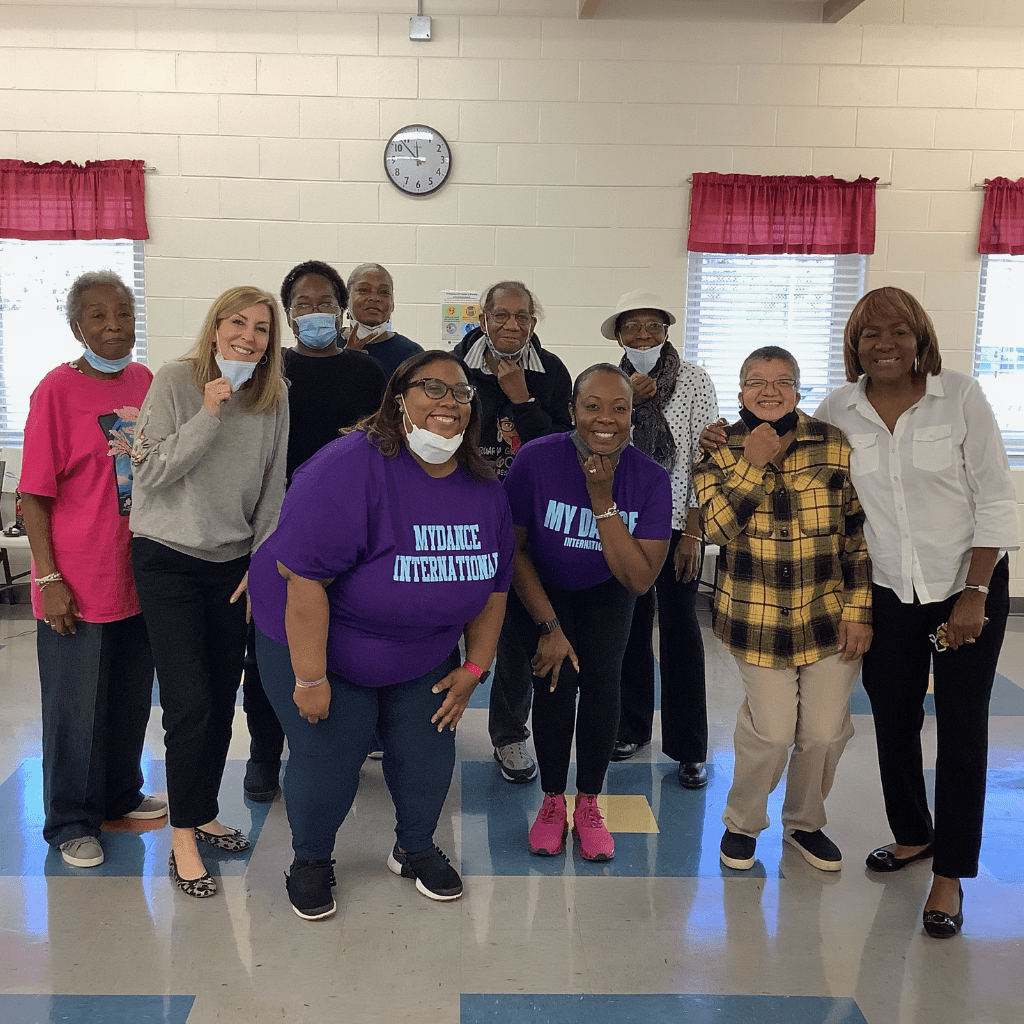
(150, 807)
(85, 852)
(516, 764)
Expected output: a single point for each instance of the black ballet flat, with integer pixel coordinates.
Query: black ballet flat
(232, 842)
(201, 888)
(883, 859)
(940, 925)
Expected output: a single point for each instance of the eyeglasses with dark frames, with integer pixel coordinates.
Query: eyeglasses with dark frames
(437, 389)
(500, 317)
(304, 308)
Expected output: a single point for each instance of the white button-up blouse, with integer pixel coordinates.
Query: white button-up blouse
(935, 488)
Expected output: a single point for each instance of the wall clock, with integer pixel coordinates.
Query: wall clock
(417, 160)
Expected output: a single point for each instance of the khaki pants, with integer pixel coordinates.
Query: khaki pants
(807, 708)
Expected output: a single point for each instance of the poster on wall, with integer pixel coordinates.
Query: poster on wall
(460, 313)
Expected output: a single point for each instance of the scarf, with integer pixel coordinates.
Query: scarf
(651, 433)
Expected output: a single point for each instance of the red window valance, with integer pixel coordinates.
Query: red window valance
(754, 214)
(1002, 218)
(103, 199)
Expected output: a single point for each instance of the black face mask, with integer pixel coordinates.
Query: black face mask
(783, 425)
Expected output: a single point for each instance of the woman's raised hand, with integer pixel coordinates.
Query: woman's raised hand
(215, 394)
(713, 435)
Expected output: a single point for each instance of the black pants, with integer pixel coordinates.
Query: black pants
(198, 641)
(596, 622)
(266, 737)
(896, 679)
(684, 710)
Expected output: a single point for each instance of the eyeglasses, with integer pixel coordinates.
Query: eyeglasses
(304, 308)
(500, 317)
(654, 327)
(786, 384)
(437, 389)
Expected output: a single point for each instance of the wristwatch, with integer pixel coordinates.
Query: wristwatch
(548, 627)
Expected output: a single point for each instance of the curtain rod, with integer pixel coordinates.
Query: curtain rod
(878, 184)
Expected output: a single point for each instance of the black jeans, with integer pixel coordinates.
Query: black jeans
(596, 623)
(96, 688)
(198, 641)
(684, 709)
(896, 678)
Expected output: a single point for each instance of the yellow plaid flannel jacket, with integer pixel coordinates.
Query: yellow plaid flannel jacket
(793, 562)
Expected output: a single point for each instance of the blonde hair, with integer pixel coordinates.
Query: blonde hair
(891, 305)
(266, 387)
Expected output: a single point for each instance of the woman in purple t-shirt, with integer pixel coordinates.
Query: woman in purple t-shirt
(365, 617)
(593, 518)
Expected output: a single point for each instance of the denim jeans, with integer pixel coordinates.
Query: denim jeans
(324, 758)
(96, 689)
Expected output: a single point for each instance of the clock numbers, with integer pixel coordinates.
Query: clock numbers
(417, 160)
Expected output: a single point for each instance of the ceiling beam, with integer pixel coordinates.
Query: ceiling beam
(835, 10)
(587, 8)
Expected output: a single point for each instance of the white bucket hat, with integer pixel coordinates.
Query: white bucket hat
(638, 299)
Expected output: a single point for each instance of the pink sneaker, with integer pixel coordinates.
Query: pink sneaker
(547, 837)
(596, 841)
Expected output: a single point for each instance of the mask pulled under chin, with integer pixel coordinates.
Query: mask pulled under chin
(515, 357)
(106, 365)
(237, 371)
(644, 359)
(362, 331)
(585, 451)
(430, 447)
(783, 425)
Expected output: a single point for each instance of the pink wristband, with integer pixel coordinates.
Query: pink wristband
(308, 686)
(475, 669)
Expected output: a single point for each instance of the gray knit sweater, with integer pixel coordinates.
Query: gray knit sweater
(206, 486)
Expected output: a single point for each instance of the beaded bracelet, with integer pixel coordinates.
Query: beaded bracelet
(692, 537)
(44, 581)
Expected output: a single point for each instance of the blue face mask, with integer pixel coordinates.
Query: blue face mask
(104, 365)
(317, 330)
(237, 371)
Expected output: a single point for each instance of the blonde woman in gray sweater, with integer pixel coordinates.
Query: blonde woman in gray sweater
(209, 463)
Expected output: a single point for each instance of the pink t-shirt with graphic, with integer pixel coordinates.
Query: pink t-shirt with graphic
(78, 437)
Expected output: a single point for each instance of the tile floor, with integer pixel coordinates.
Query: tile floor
(662, 933)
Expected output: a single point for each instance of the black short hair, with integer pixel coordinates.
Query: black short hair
(599, 368)
(313, 267)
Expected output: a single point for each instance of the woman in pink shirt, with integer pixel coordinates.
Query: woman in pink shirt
(95, 665)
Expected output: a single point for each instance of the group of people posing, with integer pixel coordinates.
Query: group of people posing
(399, 521)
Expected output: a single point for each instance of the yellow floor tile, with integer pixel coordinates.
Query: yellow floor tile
(626, 813)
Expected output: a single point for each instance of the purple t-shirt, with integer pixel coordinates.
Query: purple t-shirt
(548, 494)
(414, 558)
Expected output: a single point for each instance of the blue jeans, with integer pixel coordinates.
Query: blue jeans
(96, 689)
(324, 759)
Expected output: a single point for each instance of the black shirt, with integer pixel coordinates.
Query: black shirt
(326, 394)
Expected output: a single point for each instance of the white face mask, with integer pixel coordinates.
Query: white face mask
(362, 331)
(430, 447)
(238, 371)
(644, 359)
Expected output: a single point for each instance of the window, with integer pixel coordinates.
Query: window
(998, 357)
(34, 335)
(735, 304)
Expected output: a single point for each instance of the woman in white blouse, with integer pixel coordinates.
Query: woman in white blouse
(932, 475)
(673, 401)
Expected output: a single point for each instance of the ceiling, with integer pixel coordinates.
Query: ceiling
(831, 10)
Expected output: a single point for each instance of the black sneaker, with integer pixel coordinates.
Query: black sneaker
(817, 849)
(261, 781)
(434, 874)
(309, 889)
(737, 851)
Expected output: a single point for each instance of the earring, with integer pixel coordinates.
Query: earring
(263, 360)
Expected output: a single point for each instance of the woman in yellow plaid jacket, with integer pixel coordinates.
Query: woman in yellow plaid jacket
(793, 604)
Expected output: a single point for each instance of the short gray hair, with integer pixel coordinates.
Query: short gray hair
(369, 268)
(91, 278)
(764, 354)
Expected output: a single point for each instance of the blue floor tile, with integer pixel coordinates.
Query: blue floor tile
(95, 1009)
(24, 852)
(1007, 699)
(657, 1009)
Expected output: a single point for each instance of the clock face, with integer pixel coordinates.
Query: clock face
(417, 160)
